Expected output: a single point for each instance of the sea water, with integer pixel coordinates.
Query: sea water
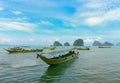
(97, 65)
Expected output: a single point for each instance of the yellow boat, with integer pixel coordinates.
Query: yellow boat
(59, 59)
(49, 48)
(83, 48)
(104, 47)
(22, 50)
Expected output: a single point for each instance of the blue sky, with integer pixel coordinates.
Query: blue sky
(45, 21)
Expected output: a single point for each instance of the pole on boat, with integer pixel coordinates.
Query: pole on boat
(38, 55)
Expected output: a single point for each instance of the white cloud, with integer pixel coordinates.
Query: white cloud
(102, 4)
(57, 39)
(95, 12)
(46, 31)
(10, 24)
(112, 34)
(5, 39)
(46, 23)
(94, 5)
(91, 39)
(16, 26)
(112, 15)
(1, 8)
(94, 21)
(16, 12)
(71, 39)
(89, 14)
(46, 39)
(31, 40)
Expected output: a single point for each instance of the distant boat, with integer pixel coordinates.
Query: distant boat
(80, 48)
(104, 47)
(58, 59)
(49, 48)
(22, 50)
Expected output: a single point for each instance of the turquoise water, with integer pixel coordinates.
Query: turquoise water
(98, 65)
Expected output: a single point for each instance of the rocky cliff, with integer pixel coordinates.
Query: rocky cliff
(107, 44)
(66, 44)
(78, 42)
(57, 43)
(96, 43)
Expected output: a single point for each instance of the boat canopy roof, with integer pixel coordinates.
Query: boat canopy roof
(57, 51)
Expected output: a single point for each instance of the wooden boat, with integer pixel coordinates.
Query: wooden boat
(83, 48)
(59, 59)
(22, 50)
(49, 48)
(104, 47)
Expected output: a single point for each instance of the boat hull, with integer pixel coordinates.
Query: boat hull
(50, 48)
(104, 47)
(23, 51)
(83, 48)
(51, 61)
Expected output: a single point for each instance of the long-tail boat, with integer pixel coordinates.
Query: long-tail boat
(104, 47)
(22, 50)
(58, 59)
(49, 48)
(83, 48)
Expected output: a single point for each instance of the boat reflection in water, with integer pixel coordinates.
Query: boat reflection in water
(55, 73)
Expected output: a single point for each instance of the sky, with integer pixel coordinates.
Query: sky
(41, 22)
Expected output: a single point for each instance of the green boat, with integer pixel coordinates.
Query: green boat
(22, 50)
(58, 59)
